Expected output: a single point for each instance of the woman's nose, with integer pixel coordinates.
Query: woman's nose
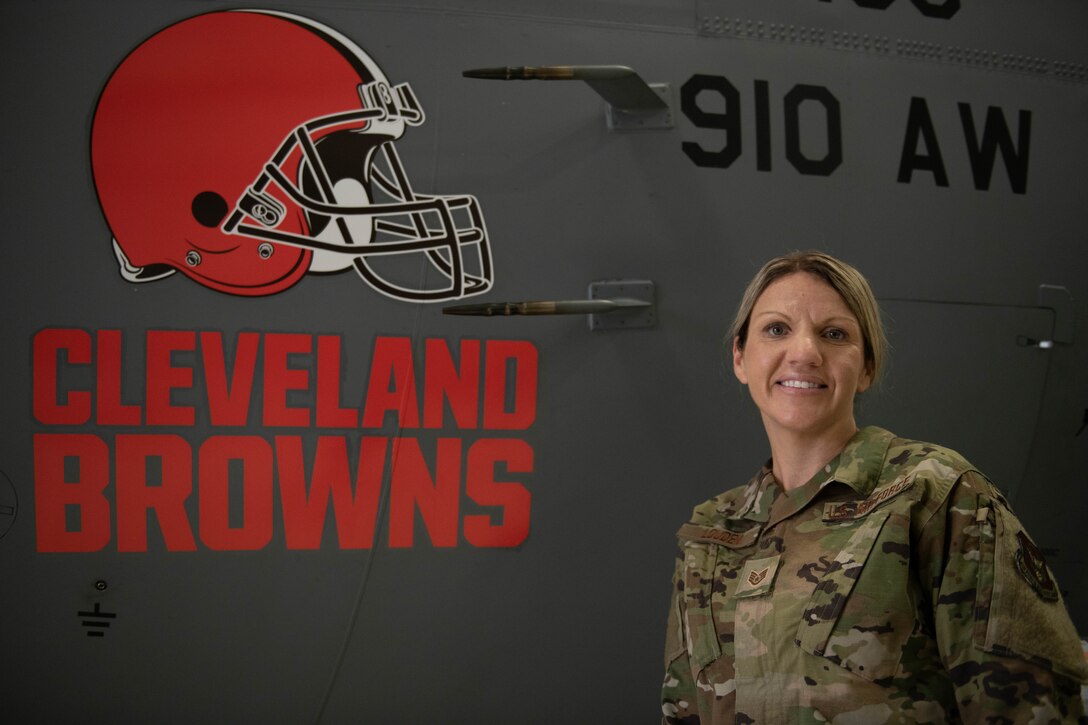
(805, 349)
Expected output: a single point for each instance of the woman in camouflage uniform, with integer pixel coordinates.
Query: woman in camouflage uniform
(858, 577)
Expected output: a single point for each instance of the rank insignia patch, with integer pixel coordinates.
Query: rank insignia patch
(1032, 566)
(757, 577)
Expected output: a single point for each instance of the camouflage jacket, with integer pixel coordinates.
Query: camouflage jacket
(894, 587)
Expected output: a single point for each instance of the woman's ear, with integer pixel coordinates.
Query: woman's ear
(866, 379)
(738, 361)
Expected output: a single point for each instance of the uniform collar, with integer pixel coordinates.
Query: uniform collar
(857, 465)
(755, 502)
(860, 462)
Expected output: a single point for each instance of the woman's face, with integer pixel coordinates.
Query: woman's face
(804, 358)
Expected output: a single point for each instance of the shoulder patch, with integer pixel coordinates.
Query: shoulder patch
(1032, 566)
(856, 509)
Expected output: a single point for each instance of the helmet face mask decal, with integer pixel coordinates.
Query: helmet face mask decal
(326, 193)
(364, 228)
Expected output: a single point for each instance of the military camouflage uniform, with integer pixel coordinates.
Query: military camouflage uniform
(894, 587)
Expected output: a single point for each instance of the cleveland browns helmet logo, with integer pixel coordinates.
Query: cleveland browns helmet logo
(247, 148)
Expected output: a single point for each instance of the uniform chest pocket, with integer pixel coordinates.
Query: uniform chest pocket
(702, 635)
(710, 577)
(862, 610)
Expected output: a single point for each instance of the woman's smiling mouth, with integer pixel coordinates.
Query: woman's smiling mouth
(800, 384)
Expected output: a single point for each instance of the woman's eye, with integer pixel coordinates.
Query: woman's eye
(776, 329)
(834, 334)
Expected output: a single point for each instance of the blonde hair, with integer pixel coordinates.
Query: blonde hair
(843, 278)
